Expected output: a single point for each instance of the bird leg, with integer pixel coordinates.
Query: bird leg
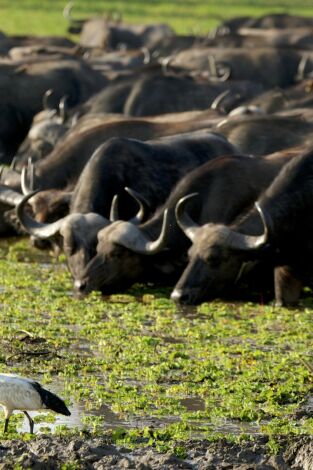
(31, 422)
(6, 424)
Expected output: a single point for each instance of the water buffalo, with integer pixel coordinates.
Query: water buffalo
(271, 20)
(278, 229)
(151, 90)
(127, 253)
(109, 32)
(152, 168)
(263, 134)
(22, 88)
(65, 163)
(269, 66)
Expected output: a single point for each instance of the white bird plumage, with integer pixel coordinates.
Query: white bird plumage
(21, 393)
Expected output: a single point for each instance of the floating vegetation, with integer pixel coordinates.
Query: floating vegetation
(145, 371)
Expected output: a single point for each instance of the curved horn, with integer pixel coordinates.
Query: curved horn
(215, 71)
(114, 209)
(212, 66)
(300, 75)
(74, 119)
(24, 184)
(219, 99)
(131, 237)
(63, 108)
(165, 63)
(13, 163)
(244, 242)
(226, 72)
(31, 171)
(143, 204)
(188, 226)
(67, 11)
(45, 100)
(146, 55)
(9, 196)
(32, 226)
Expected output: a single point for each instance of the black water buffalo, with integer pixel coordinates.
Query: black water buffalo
(48, 127)
(109, 32)
(278, 229)
(269, 66)
(127, 253)
(297, 96)
(65, 163)
(103, 34)
(148, 91)
(271, 20)
(152, 168)
(263, 134)
(294, 38)
(7, 43)
(22, 88)
(168, 94)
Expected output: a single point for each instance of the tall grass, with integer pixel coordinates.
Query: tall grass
(45, 16)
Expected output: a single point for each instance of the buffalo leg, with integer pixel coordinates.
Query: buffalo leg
(287, 286)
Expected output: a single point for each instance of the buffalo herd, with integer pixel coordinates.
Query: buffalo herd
(148, 156)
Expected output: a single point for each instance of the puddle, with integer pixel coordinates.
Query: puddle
(193, 403)
(111, 420)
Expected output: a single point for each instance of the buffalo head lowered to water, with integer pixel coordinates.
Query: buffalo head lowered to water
(216, 257)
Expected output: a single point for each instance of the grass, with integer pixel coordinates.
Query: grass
(199, 16)
(144, 358)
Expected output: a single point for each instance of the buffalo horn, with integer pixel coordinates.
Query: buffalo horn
(188, 226)
(131, 237)
(67, 11)
(33, 227)
(63, 108)
(114, 209)
(165, 63)
(302, 67)
(215, 69)
(45, 100)
(9, 196)
(138, 218)
(219, 99)
(24, 176)
(146, 55)
(244, 242)
(13, 163)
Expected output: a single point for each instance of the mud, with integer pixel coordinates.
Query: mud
(47, 452)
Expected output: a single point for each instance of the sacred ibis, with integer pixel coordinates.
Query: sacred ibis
(20, 393)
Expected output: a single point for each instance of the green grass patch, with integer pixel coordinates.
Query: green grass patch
(192, 371)
(199, 16)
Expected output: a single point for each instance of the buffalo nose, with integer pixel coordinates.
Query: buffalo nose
(179, 296)
(80, 285)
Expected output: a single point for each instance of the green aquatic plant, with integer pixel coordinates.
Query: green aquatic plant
(144, 371)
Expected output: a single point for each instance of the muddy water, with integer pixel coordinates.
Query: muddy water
(112, 420)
